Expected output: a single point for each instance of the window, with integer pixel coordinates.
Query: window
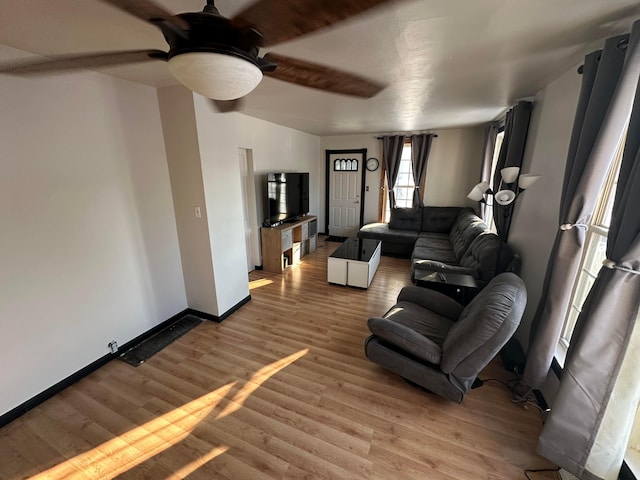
(405, 184)
(595, 252)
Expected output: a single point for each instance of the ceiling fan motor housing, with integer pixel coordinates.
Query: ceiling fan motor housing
(216, 59)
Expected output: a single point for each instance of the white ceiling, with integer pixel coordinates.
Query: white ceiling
(447, 63)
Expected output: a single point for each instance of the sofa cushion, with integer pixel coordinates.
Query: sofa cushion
(434, 248)
(423, 321)
(442, 239)
(482, 255)
(406, 339)
(406, 219)
(440, 219)
(439, 241)
(382, 232)
(465, 229)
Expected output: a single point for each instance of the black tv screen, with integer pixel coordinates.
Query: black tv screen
(287, 196)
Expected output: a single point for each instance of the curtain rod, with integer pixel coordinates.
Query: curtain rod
(432, 134)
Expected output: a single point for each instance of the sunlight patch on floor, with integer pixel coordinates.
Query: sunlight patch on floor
(193, 466)
(262, 282)
(257, 379)
(142, 443)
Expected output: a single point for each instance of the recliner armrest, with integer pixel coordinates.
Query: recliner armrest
(430, 299)
(406, 339)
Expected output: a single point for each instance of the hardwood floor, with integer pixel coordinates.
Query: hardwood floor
(279, 390)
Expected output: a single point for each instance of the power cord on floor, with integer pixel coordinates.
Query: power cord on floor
(521, 398)
(506, 384)
(557, 470)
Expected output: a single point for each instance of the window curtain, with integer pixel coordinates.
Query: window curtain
(516, 127)
(589, 426)
(391, 154)
(490, 134)
(420, 148)
(602, 113)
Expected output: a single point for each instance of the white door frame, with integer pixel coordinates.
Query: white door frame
(328, 168)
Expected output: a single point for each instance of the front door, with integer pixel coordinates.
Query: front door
(344, 192)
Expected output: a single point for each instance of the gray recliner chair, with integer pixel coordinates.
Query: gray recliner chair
(433, 341)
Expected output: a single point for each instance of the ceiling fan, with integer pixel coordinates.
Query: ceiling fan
(218, 57)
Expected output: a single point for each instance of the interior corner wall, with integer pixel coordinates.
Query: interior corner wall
(274, 148)
(183, 157)
(535, 220)
(89, 244)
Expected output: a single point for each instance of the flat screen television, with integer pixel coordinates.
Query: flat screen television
(287, 197)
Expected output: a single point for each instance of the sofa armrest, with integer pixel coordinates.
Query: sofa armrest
(431, 300)
(406, 339)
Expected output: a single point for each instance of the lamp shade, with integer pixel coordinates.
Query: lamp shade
(504, 197)
(526, 180)
(484, 187)
(215, 75)
(476, 194)
(509, 174)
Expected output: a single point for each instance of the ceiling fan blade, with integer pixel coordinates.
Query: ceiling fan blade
(77, 62)
(324, 78)
(281, 20)
(226, 106)
(150, 12)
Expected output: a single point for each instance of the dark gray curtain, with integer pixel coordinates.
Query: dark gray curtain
(420, 147)
(516, 127)
(602, 112)
(490, 134)
(589, 426)
(391, 153)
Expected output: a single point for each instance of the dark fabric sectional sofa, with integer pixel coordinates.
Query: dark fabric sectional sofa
(443, 239)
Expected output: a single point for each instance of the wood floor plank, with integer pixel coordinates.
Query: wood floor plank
(281, 390)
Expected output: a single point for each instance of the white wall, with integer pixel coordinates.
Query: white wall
(535, 221)
(454, 167)
(187, 188)
(89, 249)
(274, 148)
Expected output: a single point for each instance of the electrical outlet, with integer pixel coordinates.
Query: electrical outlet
(113, 346)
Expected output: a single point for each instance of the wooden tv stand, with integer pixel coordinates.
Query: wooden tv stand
(286, 244)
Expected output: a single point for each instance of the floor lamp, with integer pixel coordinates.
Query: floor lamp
(512, 185)
(512, 354)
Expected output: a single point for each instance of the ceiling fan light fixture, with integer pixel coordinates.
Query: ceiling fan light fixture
(214, 75)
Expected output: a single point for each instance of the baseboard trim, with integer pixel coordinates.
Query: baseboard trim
(235, 308)
(33, 402)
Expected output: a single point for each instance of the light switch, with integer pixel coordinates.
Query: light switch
(197, 212)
